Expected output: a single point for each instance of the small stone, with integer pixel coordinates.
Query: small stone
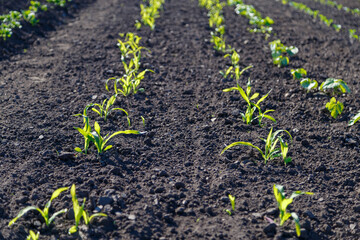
(352, 226)
(304, 233)
(272, 211)
(320, 168)
(357, 209)
(224, 199)
(305, 143)
(179, 185)
(94, 97)
(327, 229)
(131, 217)
(41, 137)
(310, 215)
(105, 200)
(37, 223)
(180, 210)
(258, 215)
(160, 190)
(270, 230)
(163, 174)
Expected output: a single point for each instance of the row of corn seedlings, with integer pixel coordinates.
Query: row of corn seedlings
(127, 84)
(12, 20)
(334, 4)
(327, 21)
(79, 212)
(271, 151)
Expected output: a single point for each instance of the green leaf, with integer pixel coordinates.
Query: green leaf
(56, 214)
(335, 107)
(354, 119)
(334, 85)
(309, 84)
(107, 148)
(230, 89)
(297, 224)
(241, 143)
(22, 212)
(73, 229)
(97, 215)
(77, 149)
(57, 192)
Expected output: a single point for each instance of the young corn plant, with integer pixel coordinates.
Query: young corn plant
(284, 147)
(271, 150)
(149, 14)
(33, 236)
(284, 202)
(99, 141)
(234, 70)
(80, 212)
(248, 116)
(232, 201)
(105, 110)
(44, 212)
(335, 107)
(298, 73)
(128, 84)
(334, 86)
(85, 131)
(219, 43)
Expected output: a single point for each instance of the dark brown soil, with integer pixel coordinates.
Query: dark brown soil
(172, 183)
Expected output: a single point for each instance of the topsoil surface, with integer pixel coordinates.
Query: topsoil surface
(171, 182)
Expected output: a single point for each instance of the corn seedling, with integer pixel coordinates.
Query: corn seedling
(284, 147)
(149, 13)
(234, 70)
(298, 73)
(98, 140)
(85, 131)
(129, 83)
(248, 116)
(232, 201)
(309, 84)
(45, 212)
(130, 46)
(271, 150)
(219, 43)
(354, 119)
(143, 121)
(33, 236)
(80, 212)
(334, 86)
(335, 107)
(284, 202)
(277, 51)
(105, 110)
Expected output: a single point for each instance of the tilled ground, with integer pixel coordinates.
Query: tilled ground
(171, 182)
